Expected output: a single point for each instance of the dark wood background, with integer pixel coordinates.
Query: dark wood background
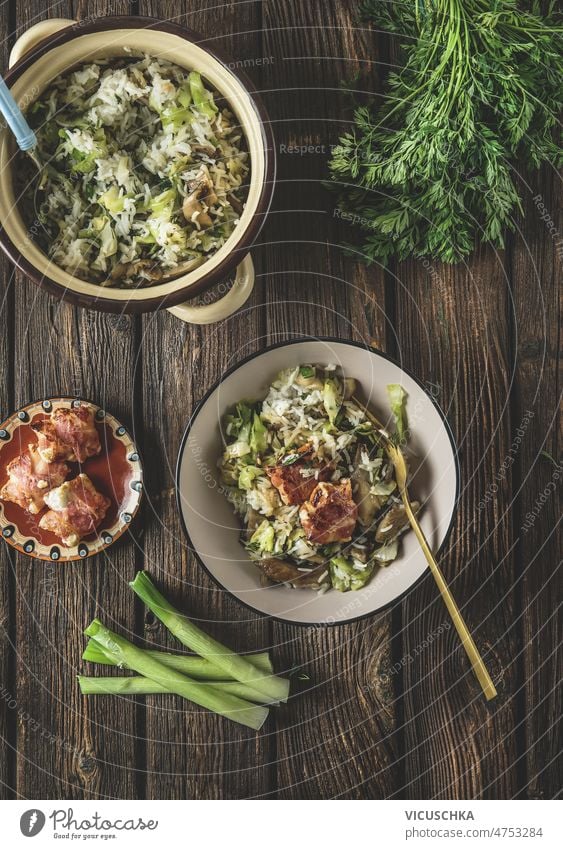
(381, 718)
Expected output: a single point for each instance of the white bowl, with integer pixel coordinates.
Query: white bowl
(213, 529)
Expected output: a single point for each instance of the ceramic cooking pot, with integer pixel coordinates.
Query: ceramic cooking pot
(53, 47)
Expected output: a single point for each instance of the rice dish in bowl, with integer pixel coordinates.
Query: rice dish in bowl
(213, 529)
(307, 473)
(144, 172)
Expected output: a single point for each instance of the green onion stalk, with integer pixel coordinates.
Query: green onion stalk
(234, 666)
(184, 665)
(225, 704)
(194, 667)
(139, 685)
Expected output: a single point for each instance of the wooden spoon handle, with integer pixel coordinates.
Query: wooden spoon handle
(471, 649)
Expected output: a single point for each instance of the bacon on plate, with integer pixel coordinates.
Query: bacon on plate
(76, 510)
(30, 478)
(68, 435)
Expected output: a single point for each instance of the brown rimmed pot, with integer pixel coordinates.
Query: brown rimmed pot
(56, 46)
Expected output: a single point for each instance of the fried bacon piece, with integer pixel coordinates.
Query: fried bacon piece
(68, 435)
(296, 481)
(330, 514)
(77, 509)
(30, 478)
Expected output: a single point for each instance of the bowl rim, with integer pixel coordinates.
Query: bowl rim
(285, 344)
(250, 234)
(125, 526)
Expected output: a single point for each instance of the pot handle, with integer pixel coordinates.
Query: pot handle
(35, 34)
(237, 295)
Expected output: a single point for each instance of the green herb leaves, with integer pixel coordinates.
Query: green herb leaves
(481, 87)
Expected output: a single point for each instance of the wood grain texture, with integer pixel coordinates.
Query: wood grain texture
(338, 739)
(7, 583)
(536, 289)
(452, 329)
(191, 753)
(70, 747)
(391, 709)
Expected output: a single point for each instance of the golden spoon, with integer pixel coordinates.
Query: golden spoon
(397, 459)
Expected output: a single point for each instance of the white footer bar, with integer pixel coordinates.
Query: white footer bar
(271, 824)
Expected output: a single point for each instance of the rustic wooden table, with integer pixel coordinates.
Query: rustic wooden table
(392, 709)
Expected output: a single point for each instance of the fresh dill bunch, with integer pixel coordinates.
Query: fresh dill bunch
(478, 96)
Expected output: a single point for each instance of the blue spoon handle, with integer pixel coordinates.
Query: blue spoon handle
(25, 136)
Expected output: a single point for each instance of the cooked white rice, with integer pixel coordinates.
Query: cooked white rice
(142, 171)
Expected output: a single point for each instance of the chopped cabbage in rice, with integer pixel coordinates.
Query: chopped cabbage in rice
(143, 170)
(308, 406)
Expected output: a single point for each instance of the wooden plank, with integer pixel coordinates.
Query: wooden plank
(452, 330)
(7, 589)
(339, 738)
(75, 748)
(192, 754)
(8, 703)
(536, 287)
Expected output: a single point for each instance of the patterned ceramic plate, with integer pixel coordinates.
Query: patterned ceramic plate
(116, 472)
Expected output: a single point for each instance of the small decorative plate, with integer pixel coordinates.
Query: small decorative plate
(116, 472)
